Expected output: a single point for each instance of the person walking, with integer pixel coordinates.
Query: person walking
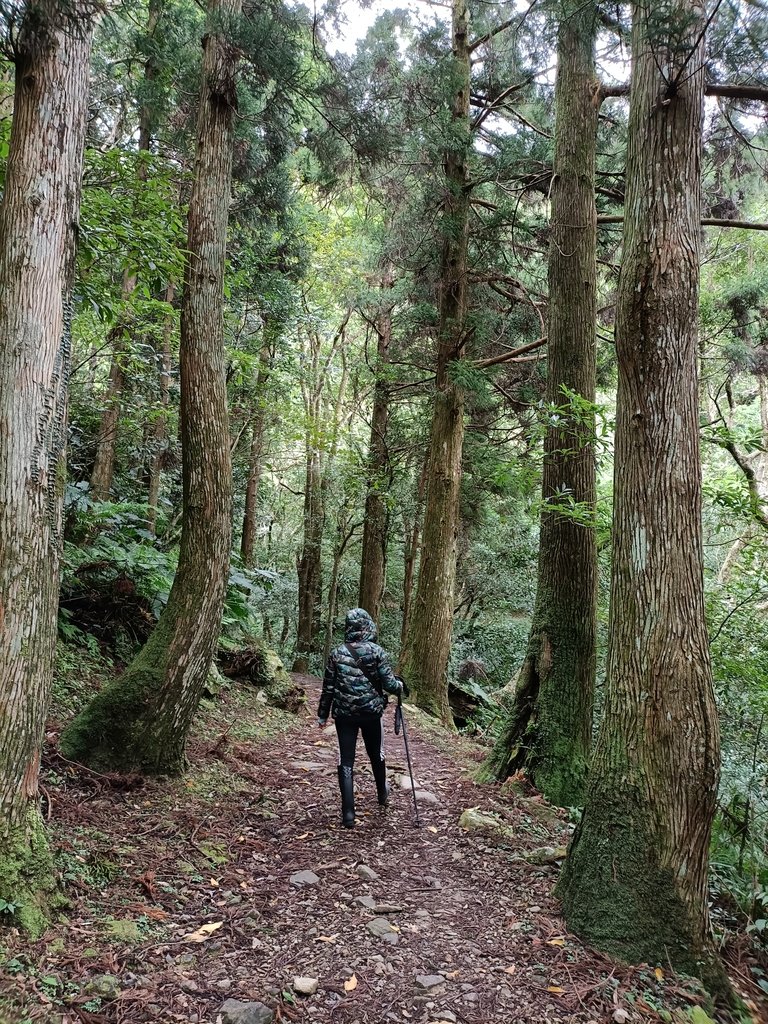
(357, 680)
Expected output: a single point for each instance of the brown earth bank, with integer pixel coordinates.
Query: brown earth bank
(233, 895)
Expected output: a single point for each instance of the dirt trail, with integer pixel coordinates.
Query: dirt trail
(188, 893)
(467, 911)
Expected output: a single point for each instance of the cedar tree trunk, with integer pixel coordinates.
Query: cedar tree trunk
(548, 733)
(635, 881)
(38, 233)
(429, 636)
(373, 562)
(141, 720)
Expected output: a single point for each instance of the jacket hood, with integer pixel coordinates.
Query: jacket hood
(359, 626)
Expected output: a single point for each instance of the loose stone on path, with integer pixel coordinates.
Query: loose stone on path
(430, 982)
(301, 878)
(365, 872)
(235, 1012)
(305, 986)
(382, 929)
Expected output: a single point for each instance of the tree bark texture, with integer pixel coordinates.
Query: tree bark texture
(142, 719)
(548, 733)
(38, 233)
(429, 638)
(635, 882)
(373, 561)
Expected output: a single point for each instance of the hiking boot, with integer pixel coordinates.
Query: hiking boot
(347, 787)
(382, 789)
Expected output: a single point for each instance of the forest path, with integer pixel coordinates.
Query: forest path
(187, 902)
(423, 924)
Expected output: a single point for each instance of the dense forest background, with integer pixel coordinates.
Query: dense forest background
(359, 184)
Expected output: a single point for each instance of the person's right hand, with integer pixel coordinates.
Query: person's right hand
(322, 722)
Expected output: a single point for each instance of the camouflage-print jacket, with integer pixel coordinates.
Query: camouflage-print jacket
(358, 675)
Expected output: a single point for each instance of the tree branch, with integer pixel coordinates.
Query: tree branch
(505, 357)
(735, 92)
(709, 222)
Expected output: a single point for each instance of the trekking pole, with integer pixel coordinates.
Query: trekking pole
(400, 724)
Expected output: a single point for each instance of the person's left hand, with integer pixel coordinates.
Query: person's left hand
(322, 722)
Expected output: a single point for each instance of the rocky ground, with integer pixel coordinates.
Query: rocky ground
(233, 896)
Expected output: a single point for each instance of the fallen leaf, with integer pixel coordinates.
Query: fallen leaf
(451, 974)
(431, 828)
(204, 932)
(350, 984)
(659, 974)
(327, 938)
(214, 883)
(304, 835)
(559, 941)
(555, 989)
(510, 970)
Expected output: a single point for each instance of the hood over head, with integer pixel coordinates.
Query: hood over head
(359, 626)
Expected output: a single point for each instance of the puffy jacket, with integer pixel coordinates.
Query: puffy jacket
(358, 674)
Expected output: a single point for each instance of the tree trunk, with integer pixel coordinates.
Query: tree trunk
(38, 232)
(104, 463)
(411, 553)
(635, 882)
(142, 719)
(548, 733)
(429, 637)
(344, 534)
(258, 425)
(159, 435)
(309, 566)
(373, 562)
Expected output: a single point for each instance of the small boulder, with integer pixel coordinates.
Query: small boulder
(473, 818)
(423, 796)
(302, 878)
(235, 1012)
(430, 982)
(305, 986)
(382, 929)
(545, 855)
(367, 873)
(365, 901)
(106, 986)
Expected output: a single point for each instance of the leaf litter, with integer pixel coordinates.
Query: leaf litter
(180, 895)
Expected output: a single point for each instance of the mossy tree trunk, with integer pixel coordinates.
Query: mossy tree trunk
(635, 881)
(38, 231)
(142, 719)
(373, 560)
(429, 636)
(548, 732)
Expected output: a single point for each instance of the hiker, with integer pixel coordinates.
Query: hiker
(357, 680)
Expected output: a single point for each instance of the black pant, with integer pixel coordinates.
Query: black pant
(373, 737)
